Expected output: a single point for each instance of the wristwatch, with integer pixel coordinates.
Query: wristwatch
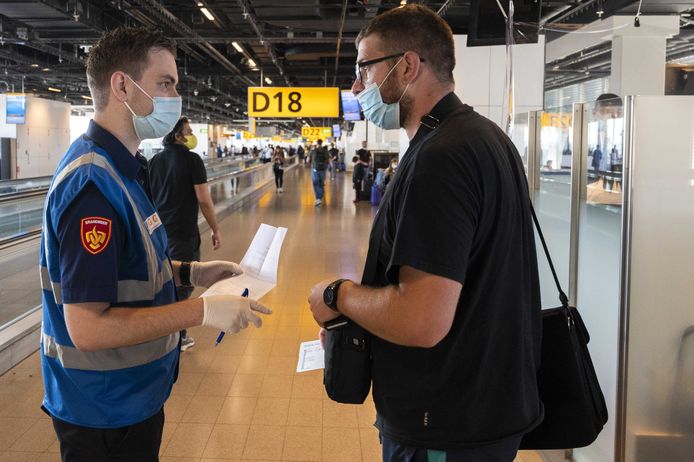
(330, 294)
(184, 274)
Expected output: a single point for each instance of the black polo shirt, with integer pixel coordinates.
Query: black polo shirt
(173, 173)
(458, 207)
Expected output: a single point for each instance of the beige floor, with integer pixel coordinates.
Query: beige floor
(243, 400)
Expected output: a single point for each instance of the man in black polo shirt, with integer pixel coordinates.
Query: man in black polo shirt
(178, 180)
(450, 289)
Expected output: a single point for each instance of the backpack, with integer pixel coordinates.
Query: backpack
(320, 159)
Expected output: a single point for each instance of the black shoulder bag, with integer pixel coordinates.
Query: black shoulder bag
(575, 410)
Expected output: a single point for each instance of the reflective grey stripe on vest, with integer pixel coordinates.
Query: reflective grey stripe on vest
(47, 284)
(109, 360)
(128, 290)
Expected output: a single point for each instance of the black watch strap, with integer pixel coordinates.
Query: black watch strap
(330, 294)
(184, 274)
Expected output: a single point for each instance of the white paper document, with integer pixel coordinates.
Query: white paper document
(259, 266)
(311, 356)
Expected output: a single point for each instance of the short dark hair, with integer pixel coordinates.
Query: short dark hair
(319, 142)
(170, 137)
(608, 100)
(122, 49)
(416, 28)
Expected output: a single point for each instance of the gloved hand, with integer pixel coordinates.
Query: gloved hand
(231, 313)
(204, 274)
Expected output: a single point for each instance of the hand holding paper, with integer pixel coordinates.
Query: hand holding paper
(259, 265)
(204, 274)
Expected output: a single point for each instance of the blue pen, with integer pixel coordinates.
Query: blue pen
(221, 334)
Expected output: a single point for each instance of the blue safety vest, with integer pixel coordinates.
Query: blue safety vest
(120, 386)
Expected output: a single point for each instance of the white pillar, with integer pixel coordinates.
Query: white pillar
(479, 77)
(638, 54)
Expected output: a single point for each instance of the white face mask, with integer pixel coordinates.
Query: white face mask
(383, 115)
(166, 111)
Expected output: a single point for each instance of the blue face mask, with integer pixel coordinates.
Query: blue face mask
(383, 115)
(165, 113)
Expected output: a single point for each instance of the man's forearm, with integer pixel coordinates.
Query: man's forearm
(383, 311)
(92, 329)
(207, 209)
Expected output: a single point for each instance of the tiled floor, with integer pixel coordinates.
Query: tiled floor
(243, 400)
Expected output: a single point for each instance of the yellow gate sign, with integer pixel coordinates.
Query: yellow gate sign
(293, 102)
(314, 133)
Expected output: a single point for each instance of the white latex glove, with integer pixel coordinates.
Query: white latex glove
(231, 313)
(204, 274)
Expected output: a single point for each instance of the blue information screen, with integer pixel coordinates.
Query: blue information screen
(336, 131)
(15, 109)
(350, 105)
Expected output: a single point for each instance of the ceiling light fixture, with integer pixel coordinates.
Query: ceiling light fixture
(268, 81)
(55, 90)
(237, 46)
(34, 65)
(205, 11)
(46, 69)
(88, 98)
(207, 14)
(251, 62)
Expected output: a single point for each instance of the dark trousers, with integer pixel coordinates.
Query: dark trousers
(136, 443)
(184, 250)
(503, 451)
(279, 177)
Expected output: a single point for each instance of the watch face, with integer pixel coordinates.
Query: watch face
(329, 296)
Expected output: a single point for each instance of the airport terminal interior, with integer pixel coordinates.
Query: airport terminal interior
(596, 95)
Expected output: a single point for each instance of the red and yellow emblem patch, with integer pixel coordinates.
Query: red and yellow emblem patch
(95, 233)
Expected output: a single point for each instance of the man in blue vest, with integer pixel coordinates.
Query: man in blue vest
(109, 343)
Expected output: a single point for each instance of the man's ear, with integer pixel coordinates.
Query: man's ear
(118, 89)
(412, 66)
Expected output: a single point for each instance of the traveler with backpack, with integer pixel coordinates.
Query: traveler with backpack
(319, 164)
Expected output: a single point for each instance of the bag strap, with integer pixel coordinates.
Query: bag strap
(562, 296)
(520, 172)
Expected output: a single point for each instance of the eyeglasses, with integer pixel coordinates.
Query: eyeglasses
(359, 67)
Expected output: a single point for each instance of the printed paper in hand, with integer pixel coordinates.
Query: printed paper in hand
(259, 266)
(311, 356)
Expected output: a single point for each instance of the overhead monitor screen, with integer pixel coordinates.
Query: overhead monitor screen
(488, 27)
(336, 131)
(350, 105)
(15, 109)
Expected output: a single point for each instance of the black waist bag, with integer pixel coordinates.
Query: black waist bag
(347, 373)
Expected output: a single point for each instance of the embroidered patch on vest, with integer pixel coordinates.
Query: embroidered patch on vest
(153, 222)
(95, 233)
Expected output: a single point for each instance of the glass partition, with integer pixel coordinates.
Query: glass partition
(521, 136)
(599, 256)
(553, 197)
(658, 295)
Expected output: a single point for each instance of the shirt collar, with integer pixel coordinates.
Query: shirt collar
(446, 106)
(124, 161)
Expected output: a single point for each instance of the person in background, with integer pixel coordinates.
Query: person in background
(301, 153)
(319, 163)
(278, 168)
(334, 159)
(178, 181)
(110, 329)
(357, 177)
(364, 154)
(450, 290)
